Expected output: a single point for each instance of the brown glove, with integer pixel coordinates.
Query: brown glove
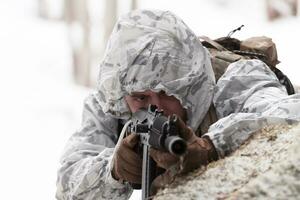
(200, 151)
(162, 180)
(127, 163)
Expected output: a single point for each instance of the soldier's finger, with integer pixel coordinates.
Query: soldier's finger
(131, 140)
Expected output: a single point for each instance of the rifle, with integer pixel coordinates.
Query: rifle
(155, 131)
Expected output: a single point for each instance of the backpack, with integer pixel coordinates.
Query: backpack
(226, 50)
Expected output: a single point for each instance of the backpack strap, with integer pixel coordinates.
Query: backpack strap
(284, 80)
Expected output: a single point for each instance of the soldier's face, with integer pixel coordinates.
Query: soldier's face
(169, 104)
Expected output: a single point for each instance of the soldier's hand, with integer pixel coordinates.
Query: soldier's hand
(162, 181)
(127, 163)
(200, 150)
(163, 159)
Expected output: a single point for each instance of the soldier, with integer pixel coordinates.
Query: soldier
(153, 58)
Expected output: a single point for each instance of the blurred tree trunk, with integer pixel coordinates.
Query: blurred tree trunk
(298, 8)
(110, 18)
(89, 30)
(281, 8)
(77, 18)
(80, 22)
(50, 9)
(134, 4)
(43, 7)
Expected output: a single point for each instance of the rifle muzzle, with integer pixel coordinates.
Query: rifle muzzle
(175, 145)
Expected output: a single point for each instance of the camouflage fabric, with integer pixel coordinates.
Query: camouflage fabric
(248, 97)
(85, 172)
(155, 50)
(147, 50)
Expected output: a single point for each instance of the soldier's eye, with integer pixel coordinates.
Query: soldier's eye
(140, 98)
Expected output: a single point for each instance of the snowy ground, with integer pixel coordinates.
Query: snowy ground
(246, 173)
(41, 107)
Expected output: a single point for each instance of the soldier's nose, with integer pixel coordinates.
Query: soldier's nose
(155, 100)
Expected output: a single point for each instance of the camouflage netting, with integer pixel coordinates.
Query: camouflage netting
(266, 167)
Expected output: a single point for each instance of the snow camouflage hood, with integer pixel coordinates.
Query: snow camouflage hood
(155, 50)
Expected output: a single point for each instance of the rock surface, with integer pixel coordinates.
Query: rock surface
(266, 167)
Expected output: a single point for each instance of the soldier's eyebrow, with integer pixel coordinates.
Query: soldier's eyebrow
(137, 94)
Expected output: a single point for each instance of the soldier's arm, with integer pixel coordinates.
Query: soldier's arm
(249, 97)
(84, 171)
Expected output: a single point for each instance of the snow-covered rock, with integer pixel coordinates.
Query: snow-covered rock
(266, 167)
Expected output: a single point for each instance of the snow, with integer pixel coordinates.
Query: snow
(246, 173)
(41, 106)
(217, 18)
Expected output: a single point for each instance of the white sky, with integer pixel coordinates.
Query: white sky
(41, 107)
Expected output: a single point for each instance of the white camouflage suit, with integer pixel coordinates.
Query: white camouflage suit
(155, 50)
